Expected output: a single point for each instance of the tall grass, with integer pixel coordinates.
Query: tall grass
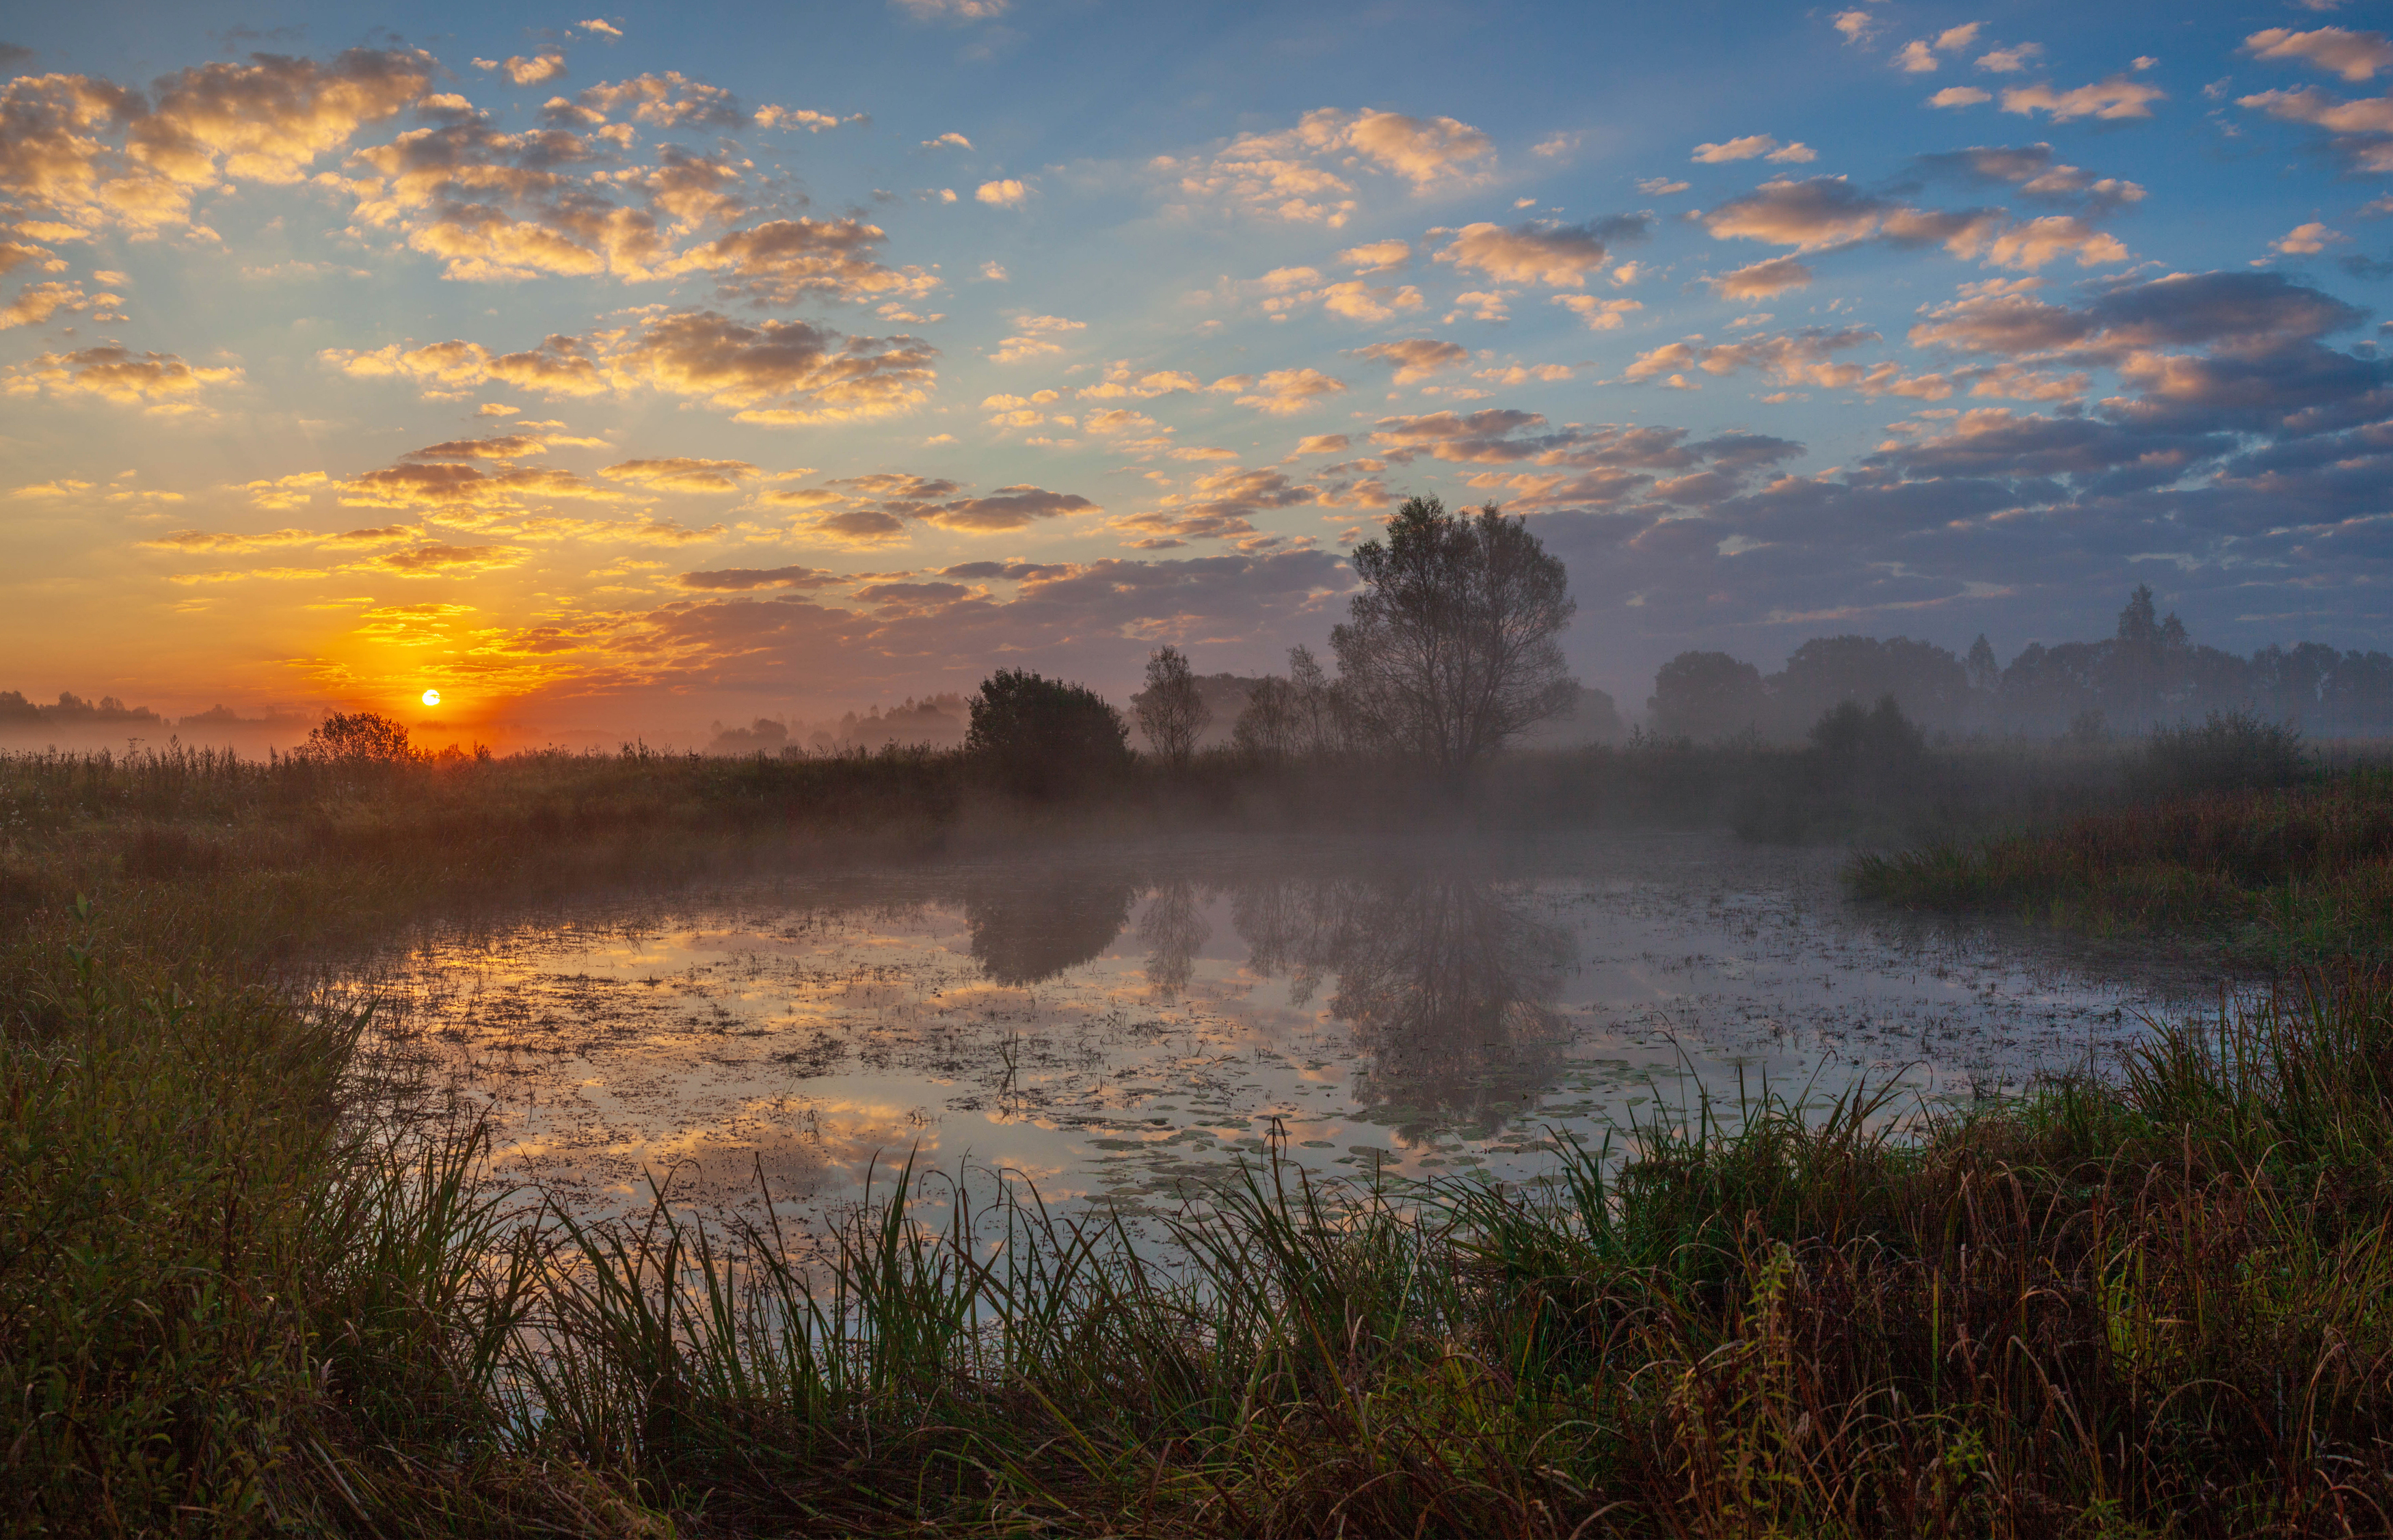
(2282, 875)
(233, 1301)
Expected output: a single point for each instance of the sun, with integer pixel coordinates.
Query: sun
(432, 697)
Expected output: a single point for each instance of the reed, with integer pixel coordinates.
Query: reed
(2279, 875)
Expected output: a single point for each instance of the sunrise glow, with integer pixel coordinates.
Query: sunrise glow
(645, 374)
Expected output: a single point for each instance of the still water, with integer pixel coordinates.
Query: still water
(1127, 1026)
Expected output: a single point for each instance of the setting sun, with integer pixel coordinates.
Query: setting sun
(432, 697)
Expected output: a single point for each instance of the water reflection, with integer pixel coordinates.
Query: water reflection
(1028, 926)
(1127, 1024)
(1447, 981)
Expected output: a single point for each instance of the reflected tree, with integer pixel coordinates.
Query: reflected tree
(1446, 979)
(1173, 927)
(1030, 926)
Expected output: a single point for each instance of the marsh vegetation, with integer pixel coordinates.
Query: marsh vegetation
(246, 1285)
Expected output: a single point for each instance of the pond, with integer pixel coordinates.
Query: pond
(1126, 1025)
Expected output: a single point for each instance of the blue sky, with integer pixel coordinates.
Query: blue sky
(639, 368)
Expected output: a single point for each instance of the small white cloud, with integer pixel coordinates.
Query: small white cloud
(1751, 147)
(1660, 187)
(1959, 96)
(1857, 26)
(994, 272)
(2010, 60)
(1954, 39)
(1007, 193)
(950, 140)
(2305, 240)
(1916, 58)
(600, 29)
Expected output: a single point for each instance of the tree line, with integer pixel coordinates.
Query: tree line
(2149, 673)
(1448, 652)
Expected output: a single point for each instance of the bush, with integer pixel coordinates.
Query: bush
(1041, 737)
(2230, 751)
(360, 737)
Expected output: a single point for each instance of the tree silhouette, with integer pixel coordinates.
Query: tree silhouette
(1449, 650)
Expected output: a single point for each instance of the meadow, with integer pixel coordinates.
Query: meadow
(235, 1297)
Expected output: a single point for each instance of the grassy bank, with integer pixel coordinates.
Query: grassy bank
(2276, 875)
(229, 1304)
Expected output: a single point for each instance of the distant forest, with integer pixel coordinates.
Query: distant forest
(2149, 673)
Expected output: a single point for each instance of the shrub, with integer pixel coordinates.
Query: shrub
(1039, 736)
(360, 737)
(2230, 751)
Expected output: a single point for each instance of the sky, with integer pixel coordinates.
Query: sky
(630, 371)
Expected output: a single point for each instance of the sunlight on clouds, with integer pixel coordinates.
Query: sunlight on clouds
(159, 382)
(1415, 358)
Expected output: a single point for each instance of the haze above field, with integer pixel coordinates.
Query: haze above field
(621, 372)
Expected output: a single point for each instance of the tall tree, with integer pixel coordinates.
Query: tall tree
(1449, 649)
(1172, 711)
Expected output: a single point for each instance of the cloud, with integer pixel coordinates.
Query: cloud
(1007, 508)
(950, 140)
(1751, 147)
(38, 301)
(1378, 256)
(265, 122)
(1008, 193)
(2010, 60)
(533, 71)
(1302, 174)
(1217, 506)
(1856, 26)
(434, 559)
(2354, 55)
(2250, 312)
(205, 542)
(159, 381)
(682, 474)
(2033, 171)
(283, 493)
(1959, 96)
(1323, 443)
(597, 28)
(1660, 187)
(1557, 255)
(1804, 358)
(769, 371)
(741, 577)
(2361, 131)
(2305, 240)
(1122, 383)
(1601, 315)
(1824, 212)
(2115, 99)
(1034, 336)
(953, 10)
(1916, 58)
(780, 261)
(669, 100)
(1415, 358)
(1283, 392)
(1761, 280)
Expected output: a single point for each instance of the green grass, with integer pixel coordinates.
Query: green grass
(2277, 875)
(233, 1301)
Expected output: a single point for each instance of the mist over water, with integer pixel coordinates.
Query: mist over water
(1126, 1027)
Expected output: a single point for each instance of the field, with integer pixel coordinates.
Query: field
(236, 1300)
